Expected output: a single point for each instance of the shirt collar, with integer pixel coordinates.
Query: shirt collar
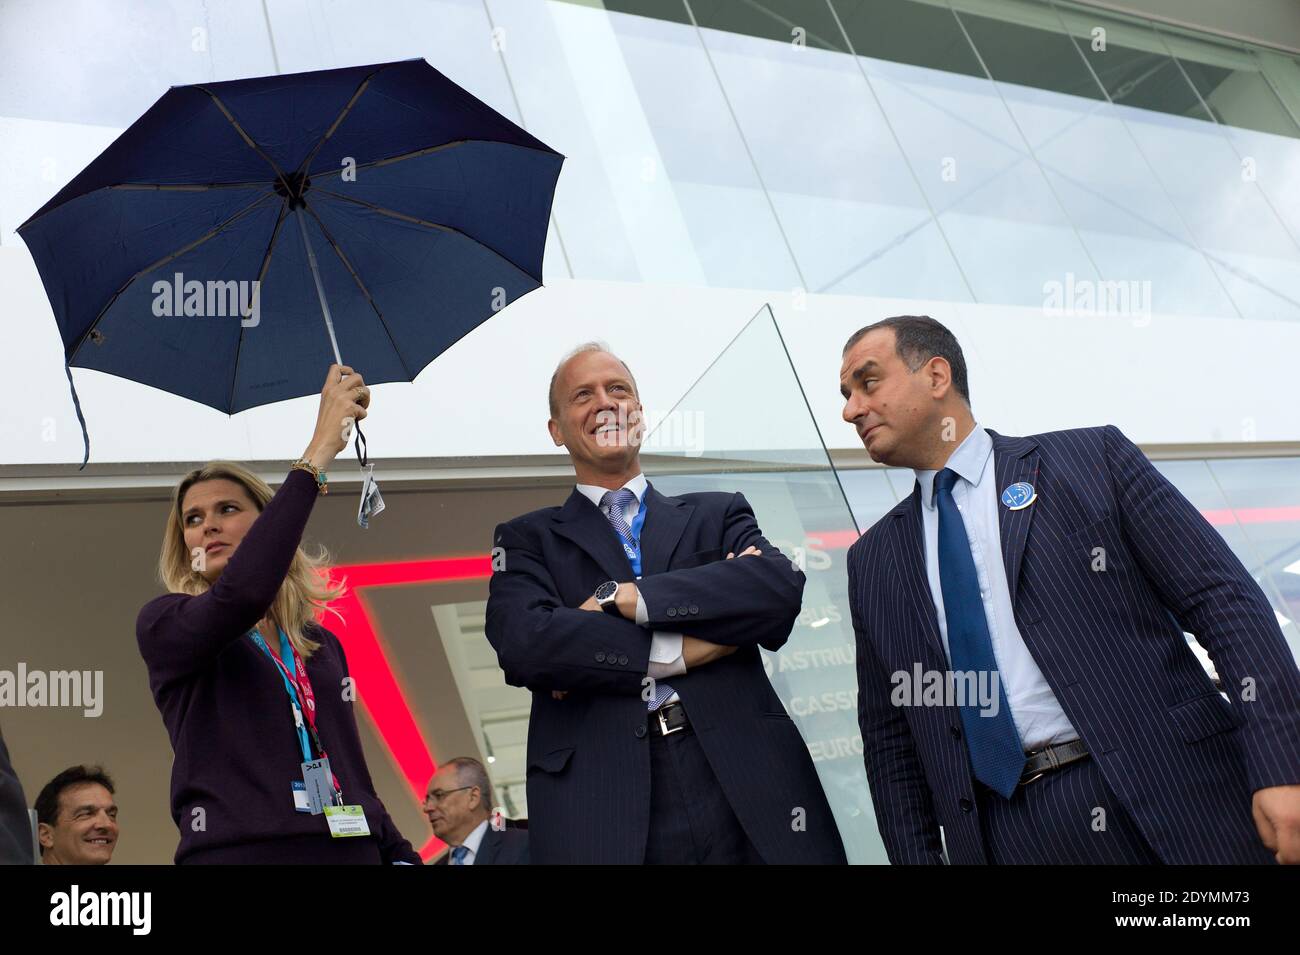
(475, 838)
(969, 460)
(594, 492)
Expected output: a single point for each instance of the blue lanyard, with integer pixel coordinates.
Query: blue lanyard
(286, 657)
(632, 548)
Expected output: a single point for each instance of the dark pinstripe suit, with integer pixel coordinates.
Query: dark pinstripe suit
(589, 783)
(1181, 761)
(15, 826)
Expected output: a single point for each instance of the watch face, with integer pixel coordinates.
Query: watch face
(606, 590)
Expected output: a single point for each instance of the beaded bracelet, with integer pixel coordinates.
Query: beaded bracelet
(322, 480)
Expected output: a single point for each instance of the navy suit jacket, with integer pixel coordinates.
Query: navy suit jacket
(1182, 761)
(588, 754)
(507, 846)
(15, 824)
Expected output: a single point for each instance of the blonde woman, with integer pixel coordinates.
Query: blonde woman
(250, 686)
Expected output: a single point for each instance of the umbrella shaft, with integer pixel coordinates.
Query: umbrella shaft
(320, 289)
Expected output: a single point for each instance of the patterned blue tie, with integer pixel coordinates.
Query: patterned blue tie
(996, 753)
(615, 504)
(458, 855)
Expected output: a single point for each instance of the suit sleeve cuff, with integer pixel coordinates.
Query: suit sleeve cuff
(666, 658)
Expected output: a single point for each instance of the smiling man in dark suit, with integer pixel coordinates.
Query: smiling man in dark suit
(655, 736)
(1024, 681)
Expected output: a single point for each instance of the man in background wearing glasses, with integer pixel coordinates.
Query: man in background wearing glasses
(458, 804)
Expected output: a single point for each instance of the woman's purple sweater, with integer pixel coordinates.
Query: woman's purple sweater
(227, 712)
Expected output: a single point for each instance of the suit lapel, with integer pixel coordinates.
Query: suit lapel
(489, 847)
(1015, 460)
(665, 519)
(909, 537)
(581, 522)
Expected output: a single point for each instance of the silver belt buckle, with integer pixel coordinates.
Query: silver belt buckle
(1053, 762)
(663, 724)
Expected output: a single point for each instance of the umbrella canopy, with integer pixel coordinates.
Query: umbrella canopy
(181, 257)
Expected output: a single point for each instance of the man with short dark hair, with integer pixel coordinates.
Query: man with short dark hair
(1024, 679)
(635, 618)
(77, 818)
(458, 804)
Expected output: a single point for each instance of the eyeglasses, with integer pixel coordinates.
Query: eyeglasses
(438, 795)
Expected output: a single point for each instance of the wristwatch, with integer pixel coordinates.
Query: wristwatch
(606, 595)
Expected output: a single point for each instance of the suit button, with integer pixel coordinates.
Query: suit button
(965, 805)
(640, 731)
(622, 659)
(600, 656)
(694, 609)
(956, 733)
(672, 611)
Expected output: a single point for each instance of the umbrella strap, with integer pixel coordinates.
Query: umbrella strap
(81, 419)
(359, 445)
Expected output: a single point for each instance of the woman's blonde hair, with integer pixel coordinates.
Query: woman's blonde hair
(305, 591)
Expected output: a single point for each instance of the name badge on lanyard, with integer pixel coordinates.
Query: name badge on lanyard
(319, 791)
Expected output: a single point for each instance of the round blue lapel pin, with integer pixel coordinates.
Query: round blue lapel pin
(1018, 496)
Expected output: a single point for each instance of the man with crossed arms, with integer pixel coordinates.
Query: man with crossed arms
(635, 619)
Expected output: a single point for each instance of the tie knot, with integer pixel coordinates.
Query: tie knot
(458, 854)
(944, 481)
(620, 498)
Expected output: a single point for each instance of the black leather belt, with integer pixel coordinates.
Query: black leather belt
(1039, 762)
(668, 719)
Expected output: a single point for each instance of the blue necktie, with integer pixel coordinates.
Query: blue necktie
(615, 504)
(458, 855)
(996, 753)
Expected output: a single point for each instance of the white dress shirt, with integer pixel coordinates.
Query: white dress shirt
(1038, 716)
(665, 648)
(472, 842)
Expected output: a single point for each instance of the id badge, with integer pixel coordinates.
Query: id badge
(372, 502)
(345, 821)
(318, 785)
(300, 801)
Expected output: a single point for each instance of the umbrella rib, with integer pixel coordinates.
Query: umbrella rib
(392, 213)
(214, 231)
(186, 187)
(375, 163)
(261, 274)
(361, 285)
(429, 150)
(243, 135)
(347, 108)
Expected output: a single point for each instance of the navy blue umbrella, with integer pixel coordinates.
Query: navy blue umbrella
(240, 236)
